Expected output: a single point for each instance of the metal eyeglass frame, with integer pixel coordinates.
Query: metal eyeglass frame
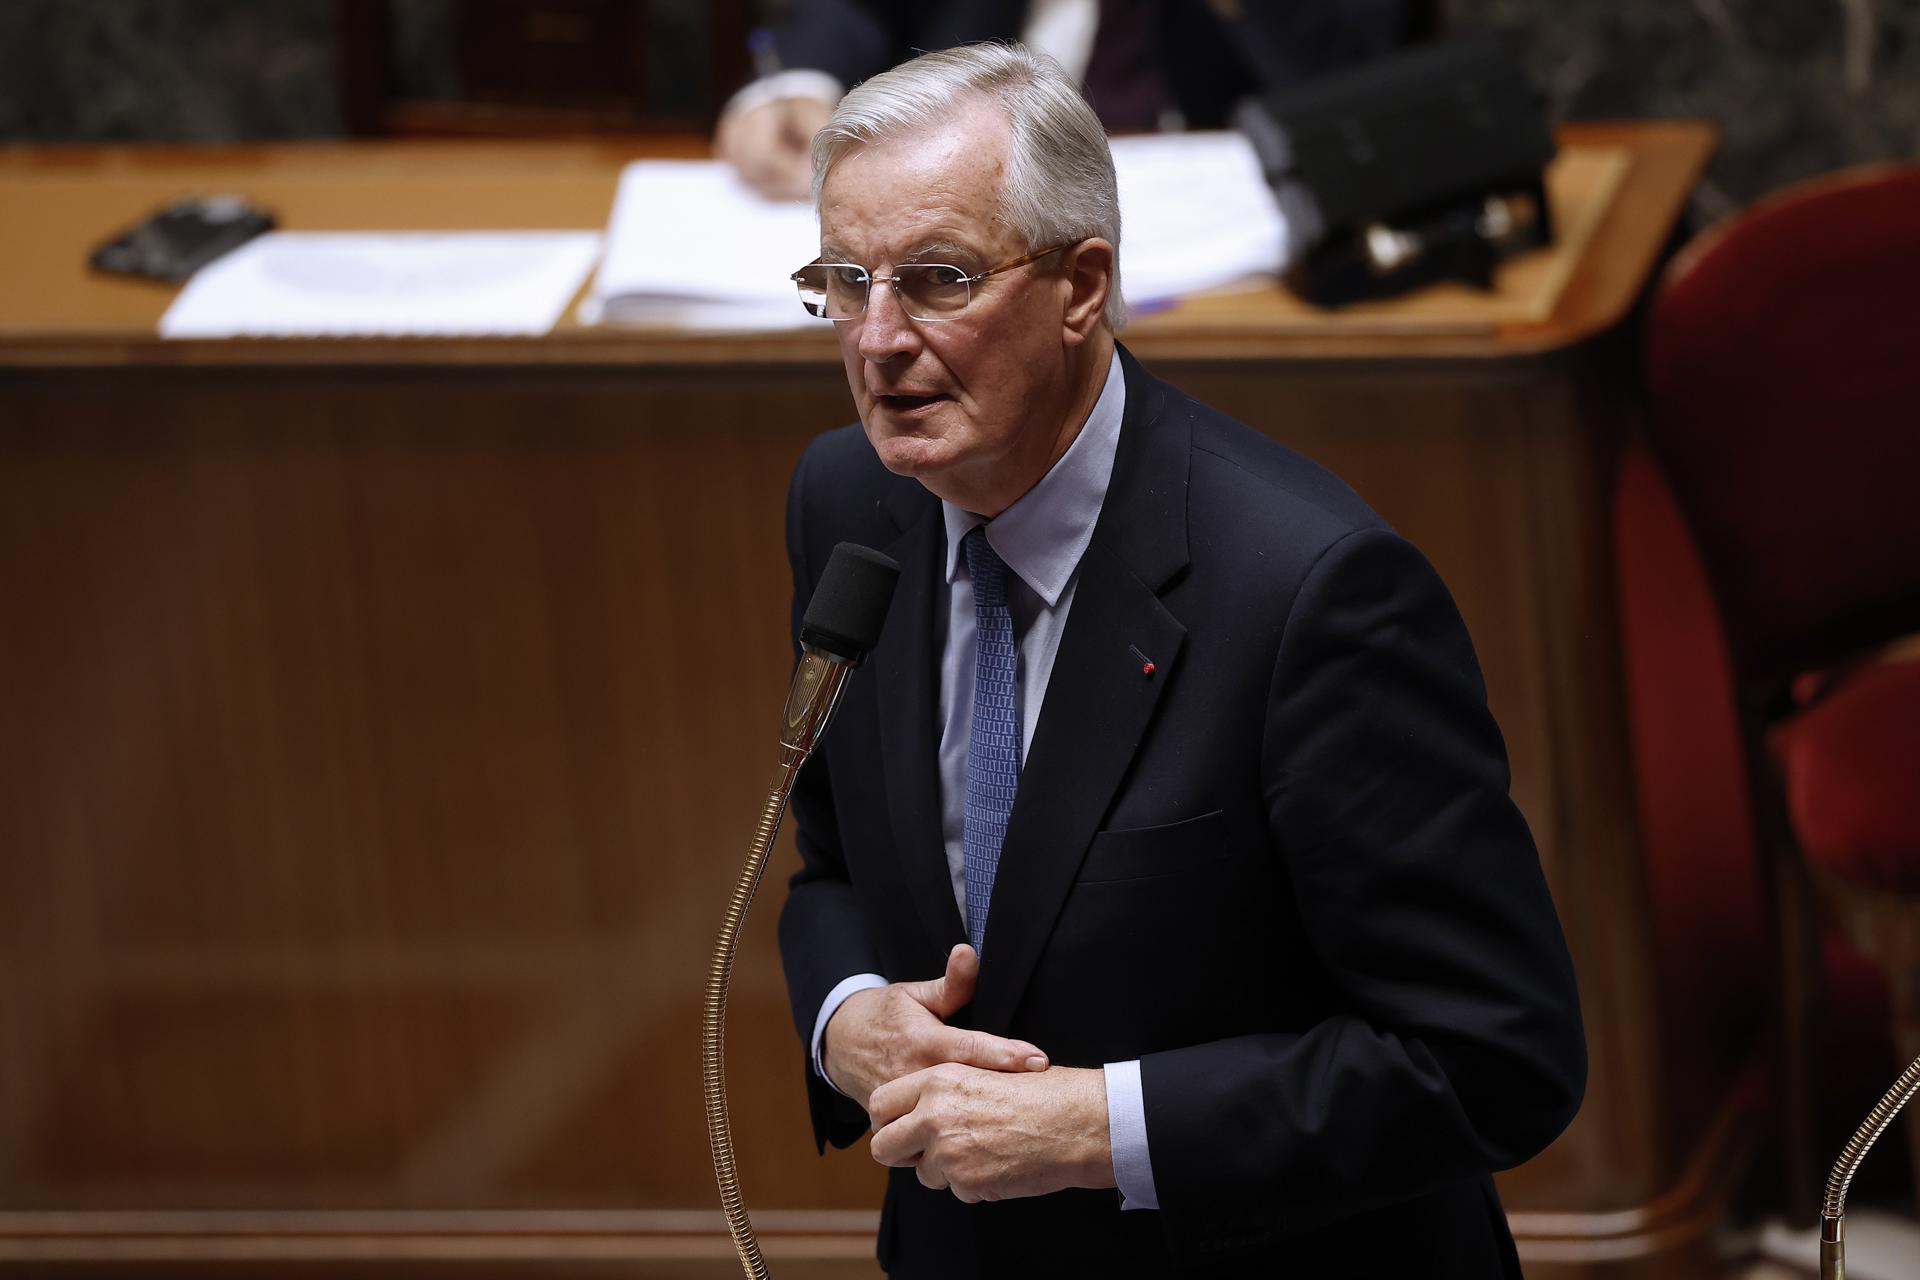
(968, 281)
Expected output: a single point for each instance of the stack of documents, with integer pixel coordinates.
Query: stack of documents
(690, 246)
(1196, 213)
(292, 284)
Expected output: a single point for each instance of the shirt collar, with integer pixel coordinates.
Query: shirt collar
(1043, 535)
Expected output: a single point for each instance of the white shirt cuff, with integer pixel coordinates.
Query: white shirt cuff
(1127, 1134)
(799, 83)
(835, 998)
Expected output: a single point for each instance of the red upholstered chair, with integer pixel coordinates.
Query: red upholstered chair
(1783, 366)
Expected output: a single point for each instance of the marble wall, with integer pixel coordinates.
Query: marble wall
(174, 70)
(223, 70)
(1797, 86)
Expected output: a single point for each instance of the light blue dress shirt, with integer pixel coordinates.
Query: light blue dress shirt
(1042, 538)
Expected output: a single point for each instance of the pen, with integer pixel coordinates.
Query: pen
(766, 59)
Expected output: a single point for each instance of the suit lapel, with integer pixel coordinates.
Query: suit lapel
(906, 667)
(1099, 699)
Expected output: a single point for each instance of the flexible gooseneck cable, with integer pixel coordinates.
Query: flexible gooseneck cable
(1833, 1206)
(817, 684)
(841, 625)
(713, 1029)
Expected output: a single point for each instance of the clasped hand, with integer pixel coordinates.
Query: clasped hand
(988, 1117)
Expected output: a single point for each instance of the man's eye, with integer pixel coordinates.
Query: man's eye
(849, 277)
(943, 276)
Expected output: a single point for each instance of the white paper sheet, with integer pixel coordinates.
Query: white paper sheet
(689, 243)
(1196, 213)
(297, 284)
(690, 246)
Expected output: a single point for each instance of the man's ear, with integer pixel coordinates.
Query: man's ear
(1088, 267)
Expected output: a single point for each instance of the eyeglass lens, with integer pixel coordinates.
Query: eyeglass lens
(925, 290)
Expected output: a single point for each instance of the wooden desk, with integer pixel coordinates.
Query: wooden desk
(381, 723)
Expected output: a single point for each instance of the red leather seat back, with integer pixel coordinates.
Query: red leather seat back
(1784, 366)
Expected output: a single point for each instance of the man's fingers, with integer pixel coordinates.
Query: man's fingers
(988, 1052)
(894, 1099)
(765, 145)
(796, 134)
(775, 174)
(895, 1147)
(953, 990)
(963, 968)
(802, 118)
(901, 1141)
(784, 172)
(895, 1031)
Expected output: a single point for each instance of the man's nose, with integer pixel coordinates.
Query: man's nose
(885, 331)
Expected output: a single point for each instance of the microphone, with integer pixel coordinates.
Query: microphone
(841, 624)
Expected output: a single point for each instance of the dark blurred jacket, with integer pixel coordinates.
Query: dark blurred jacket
(1212, 52)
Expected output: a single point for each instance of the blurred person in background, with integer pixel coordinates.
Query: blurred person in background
(1143, 64)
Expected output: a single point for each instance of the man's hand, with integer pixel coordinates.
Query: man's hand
(771, 145)
(988, 1135)
(888, 1032)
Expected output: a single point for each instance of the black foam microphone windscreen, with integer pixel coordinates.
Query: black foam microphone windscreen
(850, 603)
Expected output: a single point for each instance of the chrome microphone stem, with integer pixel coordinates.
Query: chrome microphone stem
(1833, 1206)
(818, 681)
(813, 697)
(1833, 1249)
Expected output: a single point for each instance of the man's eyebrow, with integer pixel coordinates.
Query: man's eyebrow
(935, 250)
(939, 249)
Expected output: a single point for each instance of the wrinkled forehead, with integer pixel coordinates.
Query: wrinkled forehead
(910, 190)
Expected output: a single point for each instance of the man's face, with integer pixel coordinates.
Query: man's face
(973, 407)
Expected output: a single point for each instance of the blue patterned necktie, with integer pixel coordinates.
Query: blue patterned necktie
(993, 750)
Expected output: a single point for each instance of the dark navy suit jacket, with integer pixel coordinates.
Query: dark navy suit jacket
(1209, 61)
(1283, 871)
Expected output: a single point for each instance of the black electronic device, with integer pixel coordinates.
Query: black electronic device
(1421, 166)
(176, 241)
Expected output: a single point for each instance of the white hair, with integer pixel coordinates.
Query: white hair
(1059, 185)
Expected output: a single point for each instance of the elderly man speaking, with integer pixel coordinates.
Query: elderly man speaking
(1162, 910)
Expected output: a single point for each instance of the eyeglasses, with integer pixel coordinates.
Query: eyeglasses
(925, 290)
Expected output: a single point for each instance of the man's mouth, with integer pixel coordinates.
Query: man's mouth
(908, 403)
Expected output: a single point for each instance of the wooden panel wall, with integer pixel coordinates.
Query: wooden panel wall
(377, 748)
(377, 751)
